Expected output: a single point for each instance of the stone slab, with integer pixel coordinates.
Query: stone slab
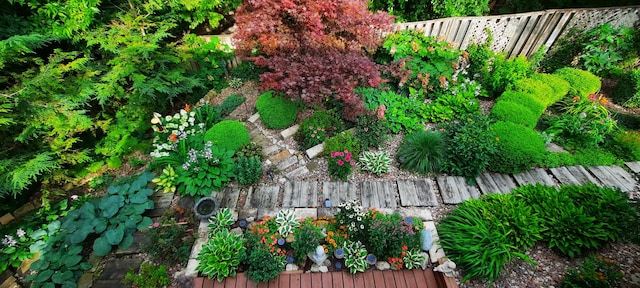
(534, 176)
(327, 212)
(190, 271)
(420, 192)
(449, 190)
(293, 174)
(300, 194)
(228, 197)
(197, 247)
(6, 219)
(564, 176)
(270, 150)
(289, 132)
(139, 241)
(262, 197)
(302, 213)
(269, 212)
(495, 183)
(284, 154)
(615, 177)
(254, 118)
(634, 166)
(86, 280)
(248, 213)
(582, 175)
(339, 192)
(26, 208)
(315, 151)
(10, 282)
(115, 269)
(288, 162)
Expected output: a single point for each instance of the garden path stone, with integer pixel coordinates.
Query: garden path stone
(314, 151)
(534, 176)
(286, 163)
(254, 118)
(270, 150)
(449, 190)
(378, 194)
(263, 197)
(582, 175)
(495, 183)
(114, 271)
(300, 194)
(6, 219)
(564, 176)
(339, 192)
(302, 213)
(420, 192)
(634, 166)
(228, 197)
(289, 132)
(614, 177)
(284, 154)
(139, 241)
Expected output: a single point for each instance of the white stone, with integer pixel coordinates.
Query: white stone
(250, 219)
(267, 162)
(287, 133)
(287, 163)
(291, 175)
(302, 213)
(425, 262)
(237, 231)
(254, 117)
(383, 265)
(282, 180)
(291, 267)
(323, 269)
(448, 268)
(270, 150)
(314, 151)
(191, 268)
(197, 247)
(422, 213)
(436, 252)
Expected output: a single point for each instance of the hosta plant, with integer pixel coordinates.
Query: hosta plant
(166, 181)
(375, 162)
(412, 258)
(205, 170)
(221, 255)
(286, 221)
(222, 220)
(354, 256)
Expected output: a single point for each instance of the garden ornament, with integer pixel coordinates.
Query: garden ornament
(448, 268)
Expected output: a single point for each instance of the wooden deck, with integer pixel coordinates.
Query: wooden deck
(415, 278)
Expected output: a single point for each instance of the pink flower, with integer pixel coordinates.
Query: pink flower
(340, 163)
(352, 163)
(348, 158)
(592, 96)
(74, 197)
(381, 110)
(310, 127)
(340, 154)
(156, 224)
(334, 154)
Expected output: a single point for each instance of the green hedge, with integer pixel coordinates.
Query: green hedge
(536, 105)
(519, 148)
(559, 86)
(514, 112)
(582, 82)
(228, 134)
(276, 112)
(539, 89)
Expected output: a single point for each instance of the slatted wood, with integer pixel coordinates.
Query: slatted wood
(449, 190)
(218, 284)
(228, 197)
(198, 282)
(378, 278)
(251, 284)
(263, 197)
(339, 192)
(230, 282)
(208, 283)
(305, 280)
(486, 184)
(274, 283)
(410, 280)
(420, 193)
(241, 280)
(389, 278)
(295, 280)
(336, 279)
(300, 194)
(369, 281)
(466, 191)
(430, 279)
(527, 24)
(564, 176)
(634, 166)
(399, 279)
(541, 21)
(358, 281)
(582, 175)
(379, 194)
(615, 177)
(285, 281)
(534, 176)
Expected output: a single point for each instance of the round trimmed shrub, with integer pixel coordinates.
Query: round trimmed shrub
(537, 88)
(422, 152)
(519, 148)
(228, 134)
(514, 112)
(533, 103)
(276, 112)
(559, 86)
(582, 82)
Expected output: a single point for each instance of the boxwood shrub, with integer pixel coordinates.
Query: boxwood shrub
(533, 103)
(559, 86)
(539, 89)
(514, 112)
(519, 148)
(582, 82)
(276, 112)
(228, 134)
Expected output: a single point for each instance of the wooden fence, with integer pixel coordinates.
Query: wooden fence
(514, 34)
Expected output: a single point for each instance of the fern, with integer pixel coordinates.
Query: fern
(18, 45)
(25, 173)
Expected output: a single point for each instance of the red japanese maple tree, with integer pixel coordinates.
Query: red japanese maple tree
(315, 50)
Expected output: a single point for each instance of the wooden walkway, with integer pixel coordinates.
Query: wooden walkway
(415, 278)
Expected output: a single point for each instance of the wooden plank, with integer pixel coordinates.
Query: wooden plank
(378, 278)
(564, 176)
(218, 284)
(300, 194)
(466, 191)
(409, 278)
(625, 179)
(294, 280)
(228, 197)
(305, 280)
(263, 197)
(634, 166)
(582, 175)
(285, 281)
(523, 37)
(368, 280)
(358, 280)
(461, 33)
(316, 280)
(241, 280)
(348, 280)
(230, 282)
(544, 34)
(399, 279)
(504, 182)
(274, 283)
(420, 192)
(448, 190)
(534, 176)
(559, 28)
(608, 178)
(336, 279)
(541, 22)
(339, 192)
(208, 283)
(486, 184)
(198, 282)
(430, 278)
(379, 194)
(389, 280)
(263, 285)
(327, 279)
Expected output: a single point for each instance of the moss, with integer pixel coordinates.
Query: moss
(514, 112)
(519, 148)
(276, 112)
(539, 89)
(559, 86)
(582, 82)
(228, 134)
(536, 105)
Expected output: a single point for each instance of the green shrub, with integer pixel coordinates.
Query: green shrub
(559, 86)
(583, 83)
(228, 134)
(519, 148)
(388, 233)
(470, 146)
(205, 170)
(477, 240)
(626, 145)
(627, 90)
(276, 112)
(229, 104)
(250, 149)
(150, 276)
(247, 70)
(221, 255)
(264, 265)
(375, 162)
(248, 170)
(422, 152)
(515, 113)
(539, 89)
(307, 237)
(343, 141)
(530, 101)
(315, 129)
(595, 272)
(169, 243)
(371, 131)
(504, 73)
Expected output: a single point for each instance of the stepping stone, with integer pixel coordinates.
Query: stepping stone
(379, 194)
(339, 192)
(297, 172)
(495, 183)
(329, 212)
(582, 175)
(162, 200)
(454, 189)
(284, 154)
(564, 176)
(114, 271)
(6, 219)
(261, 140)
(289, 132)
(417, 192)
(286, 163)
(267, 212)
(228, 197)
(314, 151)
(533, 177)
(302, 213)
(190, 271)
(255, 133)
(614, 176)
(634, 166)
(421, 213)
(139, 241)
(254, 118)
(262, 197)
(270, 150)
(300, 194)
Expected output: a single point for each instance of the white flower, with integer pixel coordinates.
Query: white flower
(20, 233)
(74, 197)
(183, 112)
(192, 113)
(9, 241)
(168, 118)
(361, 226)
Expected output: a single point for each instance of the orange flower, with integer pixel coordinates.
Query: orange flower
(576, 98)
(173, 137)
(187, 107)
(603, 100)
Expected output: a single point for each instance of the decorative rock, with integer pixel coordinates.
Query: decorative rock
(448, 268)
(287, 133)
(326, 262)
(426, 239)
(284, 154)
(270, 150)
(254, 118)
(286, 163)
(318, 256)
(291, 267)
(290, 238)
(297, 172)
(635, 279)
(314, 151)
(191, 268)
(323, 269)
(383, 265)
(237, 231)
(251, 219)
(6, 219)
(425, 262)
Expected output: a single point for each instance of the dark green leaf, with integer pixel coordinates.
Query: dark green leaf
(101, 247)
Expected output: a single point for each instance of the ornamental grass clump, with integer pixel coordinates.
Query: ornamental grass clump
(422, 152)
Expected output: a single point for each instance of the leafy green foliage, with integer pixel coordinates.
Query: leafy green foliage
(529, 101)
(354, 256)
(405, 10)
(371, 131)
(455, 101)
(422, 152)
(540, 89)
(503, 73)
(315, 129)
(375, 162)
(206, 170)
(26, 171)
(626, 144)
(559, 86)
(150, 276)
(513, 112)
(399, 112)
(170, 242)
(264, 265)
(470, 145)
(248, 170)
(307, 238)
(452, 8)
(340, 164)
(627, 90)
(343, 141)
(228, 135)
(583, 83)
(519, 148)
(388, 233)
(230, 103)
(249, 150)
(221, 255)
(275, 111)
(595, 271)
(606, 47)
(247, 70)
